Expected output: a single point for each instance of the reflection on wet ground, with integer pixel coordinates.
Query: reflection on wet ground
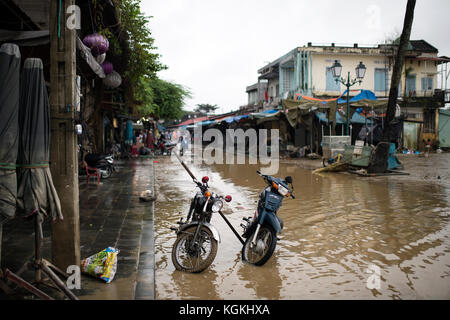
(338, 228)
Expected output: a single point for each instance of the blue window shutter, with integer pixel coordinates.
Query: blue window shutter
(380, 79)
(410, 84)
(331, 84)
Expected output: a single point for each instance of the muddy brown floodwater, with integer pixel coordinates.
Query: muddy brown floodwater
(339, 233)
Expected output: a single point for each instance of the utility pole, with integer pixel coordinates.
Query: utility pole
(398, 67)
(63, 155)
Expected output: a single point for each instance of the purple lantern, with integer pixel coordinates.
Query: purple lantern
(107, 67)
(97, 43)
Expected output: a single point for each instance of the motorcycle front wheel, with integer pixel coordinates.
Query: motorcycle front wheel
(266, 242)
(194, 258)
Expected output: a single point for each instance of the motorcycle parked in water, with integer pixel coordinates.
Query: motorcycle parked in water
(197, 240)
(261, 230)
(103, 162)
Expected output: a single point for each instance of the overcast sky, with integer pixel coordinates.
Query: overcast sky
(215, 47)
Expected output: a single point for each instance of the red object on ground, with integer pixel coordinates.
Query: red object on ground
(134, 151)
(91, 172)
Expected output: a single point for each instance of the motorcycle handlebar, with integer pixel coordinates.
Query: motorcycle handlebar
(268, 181)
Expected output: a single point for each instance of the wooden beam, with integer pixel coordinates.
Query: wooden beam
(63, 155)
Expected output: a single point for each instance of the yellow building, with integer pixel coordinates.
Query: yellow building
(307, 70)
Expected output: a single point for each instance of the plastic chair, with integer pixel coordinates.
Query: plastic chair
(91, 172)
(134, 151)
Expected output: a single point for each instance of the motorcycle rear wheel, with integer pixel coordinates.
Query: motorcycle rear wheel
(268, 237)
(198, 259)
(107, 173)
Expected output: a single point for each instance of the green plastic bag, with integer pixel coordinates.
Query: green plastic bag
(101, 265)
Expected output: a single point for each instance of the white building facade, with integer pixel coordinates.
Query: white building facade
(306, 70)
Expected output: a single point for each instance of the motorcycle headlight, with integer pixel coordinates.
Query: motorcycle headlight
(217, 206)
(282, 190)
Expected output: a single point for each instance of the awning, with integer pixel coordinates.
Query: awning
(25, 38)
(264, 114)
(160, 127)
(192, 121)
(363, 95)
(356, 118)
(235, 118)
(89, 58)
(207, 122)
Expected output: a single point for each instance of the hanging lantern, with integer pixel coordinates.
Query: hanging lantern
(97, 43)
(101, 58)
(112, 80)
(107, 67)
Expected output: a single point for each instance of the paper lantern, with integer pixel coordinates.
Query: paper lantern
(97, 43)
(112, 80)
(101, 58)
(107, 67)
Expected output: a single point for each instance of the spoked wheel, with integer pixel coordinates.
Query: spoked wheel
(194, 258)
(107, 173)
(266, 242)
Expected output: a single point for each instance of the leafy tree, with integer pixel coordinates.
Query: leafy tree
(206, 108)
(133, 46)
(393, 38)
(167, 99)
(141, 58)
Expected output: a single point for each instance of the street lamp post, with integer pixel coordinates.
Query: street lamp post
(336, 70)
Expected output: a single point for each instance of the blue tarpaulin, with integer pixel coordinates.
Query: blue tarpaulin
(205, 123)
(161, 128)
(237, 118)
(270, 111)
(364, 94)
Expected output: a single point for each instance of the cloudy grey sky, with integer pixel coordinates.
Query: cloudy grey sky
(215, 47)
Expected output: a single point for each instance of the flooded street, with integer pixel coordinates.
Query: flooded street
(338, 230)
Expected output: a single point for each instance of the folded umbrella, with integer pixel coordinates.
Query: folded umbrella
(36, 191)
(9, 128)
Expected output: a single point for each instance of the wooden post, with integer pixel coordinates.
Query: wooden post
(63, 155)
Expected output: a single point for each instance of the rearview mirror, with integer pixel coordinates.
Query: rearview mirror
(288, 179)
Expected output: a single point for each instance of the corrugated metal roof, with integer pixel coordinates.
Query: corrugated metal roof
(422, 45)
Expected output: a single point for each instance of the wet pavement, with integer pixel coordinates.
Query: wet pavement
(111, 214)
(345, 236)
